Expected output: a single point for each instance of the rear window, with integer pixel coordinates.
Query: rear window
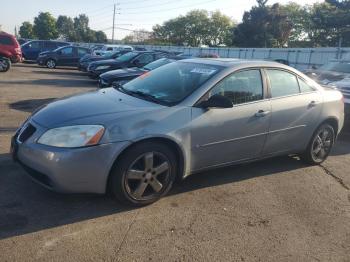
(5, 40)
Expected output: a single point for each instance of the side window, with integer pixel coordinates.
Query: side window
(145, 58)
(5, 40)
(159, 56)
(50, 45)
(241, 87)
(109, 49)
(282, 83)
(67, 51)
(82, 52)
(34, 45)
(304, 87)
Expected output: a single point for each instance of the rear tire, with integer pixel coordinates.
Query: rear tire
(319, 146)
(143, 174)
(51, 63)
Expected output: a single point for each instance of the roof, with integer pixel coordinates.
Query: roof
(229, 62)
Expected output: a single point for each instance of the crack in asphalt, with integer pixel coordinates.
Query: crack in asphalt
(338, 179)
(126, 234)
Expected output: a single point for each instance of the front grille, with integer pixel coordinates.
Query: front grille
(26, 132)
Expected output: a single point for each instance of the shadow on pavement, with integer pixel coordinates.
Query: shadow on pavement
(54, 82)
(31, 104)
(60, 73)
(27, 207)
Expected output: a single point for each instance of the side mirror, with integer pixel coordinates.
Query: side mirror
(217, 101)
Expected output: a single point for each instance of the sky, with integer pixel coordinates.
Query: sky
(130, 14)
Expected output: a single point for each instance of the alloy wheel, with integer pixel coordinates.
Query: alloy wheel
(148, 176)
(322, 144)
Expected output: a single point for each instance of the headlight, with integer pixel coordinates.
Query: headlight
(72, 136)
(102, 67)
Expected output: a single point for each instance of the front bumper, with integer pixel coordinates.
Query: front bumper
(78, 170)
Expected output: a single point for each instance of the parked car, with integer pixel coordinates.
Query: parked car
(32, 49)
(182, 118)
(110, 48)
(334, 74)
(5, 64)
(10, 48)
(122, 76)
(63, 56)
(22, 41)
(88, 58)
(131, 59)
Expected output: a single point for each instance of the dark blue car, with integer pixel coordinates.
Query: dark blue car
(32, 49)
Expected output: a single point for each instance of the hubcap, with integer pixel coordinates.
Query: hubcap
(322, 144)
(148, 176)
(51, 64)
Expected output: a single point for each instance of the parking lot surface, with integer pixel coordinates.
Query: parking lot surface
(274, 210)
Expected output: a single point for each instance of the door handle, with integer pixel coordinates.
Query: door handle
(262, 113)
(313, 103)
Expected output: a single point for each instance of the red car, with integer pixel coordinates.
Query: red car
(10, 48)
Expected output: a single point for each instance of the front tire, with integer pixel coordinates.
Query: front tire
(51, 63)
(5, 65)
(143, 174)
(320, 145)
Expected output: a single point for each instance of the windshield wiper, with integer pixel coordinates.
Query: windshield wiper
(145, 95)
(149, 97)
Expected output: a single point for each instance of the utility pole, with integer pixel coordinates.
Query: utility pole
(113, 24)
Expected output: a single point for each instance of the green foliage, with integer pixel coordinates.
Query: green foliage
(45, 26)
(195, 28)
(65, 28)
(263, 26)
(26, 30)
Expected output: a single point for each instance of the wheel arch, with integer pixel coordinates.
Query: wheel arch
(334, 122)
(170, 142)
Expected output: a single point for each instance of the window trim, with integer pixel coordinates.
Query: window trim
(263, 81)
(288, 71)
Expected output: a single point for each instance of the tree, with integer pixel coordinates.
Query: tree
(65, 28)
(195, 28)
(263, 26)
(100, 37)
(45, 26)
(81, 27)
(26, 30)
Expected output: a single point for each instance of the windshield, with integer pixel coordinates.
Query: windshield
(172, 83)
(127, 57)
(342, 67)
(158, 63)
(109, 54)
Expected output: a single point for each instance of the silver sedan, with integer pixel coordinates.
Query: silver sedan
(182, 118)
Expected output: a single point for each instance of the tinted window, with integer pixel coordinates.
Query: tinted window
(145, 58)
(304, 87)
(282, 83)
(5, 40)
(109, 49)
(34, 45)
(241, 87)
(82, 52)
(127, 57)
(67, 51)
(50, 45)
(173, 82)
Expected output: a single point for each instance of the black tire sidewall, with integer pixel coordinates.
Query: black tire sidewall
(118, 173)
(8, 65)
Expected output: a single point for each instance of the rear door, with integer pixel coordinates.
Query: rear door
(296, 107)
(32, 50)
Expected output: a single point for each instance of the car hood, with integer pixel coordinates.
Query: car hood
(135, 71)
(97, 106)
(107, 62)
(325, 77)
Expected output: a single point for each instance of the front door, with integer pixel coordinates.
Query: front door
(67, 56)
(225, 135)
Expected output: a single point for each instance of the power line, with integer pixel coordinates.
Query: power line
(148, 6)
